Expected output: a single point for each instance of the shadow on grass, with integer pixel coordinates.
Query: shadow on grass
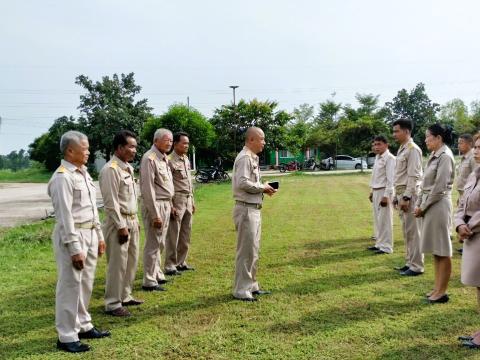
(341, 316)
(429, 351)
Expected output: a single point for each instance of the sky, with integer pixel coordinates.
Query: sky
(293, 52)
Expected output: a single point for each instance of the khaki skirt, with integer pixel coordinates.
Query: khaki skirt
(436, 228)
(471, 261)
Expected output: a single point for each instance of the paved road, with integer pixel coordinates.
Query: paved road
(22, 203)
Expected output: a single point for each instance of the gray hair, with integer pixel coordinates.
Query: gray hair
(160, 133)
(69, 137)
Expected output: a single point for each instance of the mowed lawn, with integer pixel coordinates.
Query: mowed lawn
(331, 298)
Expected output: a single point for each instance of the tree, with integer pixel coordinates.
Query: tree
(417, 106)
(455, 114)
(304, 113)
(46, 148)
(180, 117)
(231, 121)
(108, 106)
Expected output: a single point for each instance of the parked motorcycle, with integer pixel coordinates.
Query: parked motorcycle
(290, 166)
(310, 164)
(211, 174)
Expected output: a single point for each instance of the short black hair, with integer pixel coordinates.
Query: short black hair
(404, 123)
(178, 135)
(121, 138)
(445, 132)
(381, 138)
(467, 137)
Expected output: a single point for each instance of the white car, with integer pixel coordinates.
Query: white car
(344, 162)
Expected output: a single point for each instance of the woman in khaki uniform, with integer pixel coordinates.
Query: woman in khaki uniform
(434, 206)
(467, 224)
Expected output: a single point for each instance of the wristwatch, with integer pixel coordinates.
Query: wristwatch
(406, 198)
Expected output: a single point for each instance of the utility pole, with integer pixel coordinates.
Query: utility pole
(233, 87)
(188, 102)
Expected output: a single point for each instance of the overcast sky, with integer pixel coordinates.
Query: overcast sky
(298, 51)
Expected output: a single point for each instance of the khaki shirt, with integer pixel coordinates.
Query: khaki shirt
(155, 180)
(246, 178)
(464, 169)
(182, 178)
(468, 211)
(439, 176)
(117, 184)
(74, 200)
(408, 169)
(383, 173)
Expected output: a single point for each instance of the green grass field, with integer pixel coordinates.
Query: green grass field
(331, 298)
(32, 175)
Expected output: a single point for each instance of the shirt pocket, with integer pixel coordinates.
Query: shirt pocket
(127, 184)
(179, 172)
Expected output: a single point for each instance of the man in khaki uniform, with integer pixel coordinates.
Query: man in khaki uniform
(77, 241)
(467, 162)
(121, 229)
(248, 194)
(179, 229)
(156, 186)
(408, 176)
(466, 166)
(381, 196)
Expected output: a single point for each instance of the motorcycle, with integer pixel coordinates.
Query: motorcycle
(211, 174)
(290, 166)
(310, 164)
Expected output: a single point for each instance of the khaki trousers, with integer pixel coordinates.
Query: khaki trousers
(178, 234)
(74, 287)
(154, 243)
(411, 234)
(248, 224)
(383, 222)
(122, 260)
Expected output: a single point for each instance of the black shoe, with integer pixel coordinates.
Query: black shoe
(410, 273)
(465, 338)
(172, 272)
(162, 281)
(470, 344)
(261, 292)
(380, 252)
(441, 300)
(185, 268)
(372, 248)
(403, 268)
(94, 333)
(247, 299)
(73, 347)
(153, 288)
(460, 251)
(133, 302)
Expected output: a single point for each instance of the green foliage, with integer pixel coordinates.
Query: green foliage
(455, 114)
(180, 117)
(15, 160)
(109, 106)
(416, 106)
(231, 121)
(36, 173)
(46, 148)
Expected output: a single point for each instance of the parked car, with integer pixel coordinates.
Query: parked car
(370, 160)
(344, 162)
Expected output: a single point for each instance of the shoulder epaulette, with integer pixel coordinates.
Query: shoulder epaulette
(410, 145)
(114, 164)
(61, 169)
(152, 156)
